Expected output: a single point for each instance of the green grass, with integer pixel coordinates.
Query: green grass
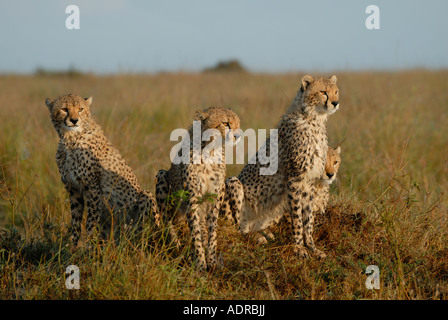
(389, 205)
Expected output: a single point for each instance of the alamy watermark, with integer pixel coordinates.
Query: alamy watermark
(73, 20)
(72, 281)
(373, 280)
(373, 20)
(187, 151)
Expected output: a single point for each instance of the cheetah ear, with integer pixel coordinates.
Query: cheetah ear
(333, 79)
(200, 115)
(49, 102)
(338, 150)
(88, 100)
(306, 81)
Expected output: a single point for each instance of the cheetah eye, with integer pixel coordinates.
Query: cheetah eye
(65, 109)
(336, 162)
(81, 109)
(336, 93)
(226, 124)
(323, 93)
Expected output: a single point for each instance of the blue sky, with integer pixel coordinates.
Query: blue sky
(265, 35)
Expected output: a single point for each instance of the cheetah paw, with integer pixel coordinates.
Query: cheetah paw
(318, 254)
(270, 236)
(301, 252)
(262, 240)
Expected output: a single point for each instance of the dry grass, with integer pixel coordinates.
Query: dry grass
(389, 206)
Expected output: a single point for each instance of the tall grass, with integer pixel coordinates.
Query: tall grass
(388, 208)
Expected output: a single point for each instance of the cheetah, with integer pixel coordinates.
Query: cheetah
(323, 185)
(256, 201)
(200, 179)
(93, 171)
(322, 191)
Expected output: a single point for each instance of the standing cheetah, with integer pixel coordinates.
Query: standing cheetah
(256, 200)
(200, 179)
(93, 171)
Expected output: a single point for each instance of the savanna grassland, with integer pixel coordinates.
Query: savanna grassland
(389, 206)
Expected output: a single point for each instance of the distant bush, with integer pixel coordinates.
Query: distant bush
(71, 72)
(227, 66)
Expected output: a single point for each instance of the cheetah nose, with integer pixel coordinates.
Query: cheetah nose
(330, 175)
(74, 121)
(335, 103)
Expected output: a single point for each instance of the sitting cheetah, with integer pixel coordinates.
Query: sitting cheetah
(258, 200)
(323, 184)
(93, 171)
(322, 191)
(200, 179)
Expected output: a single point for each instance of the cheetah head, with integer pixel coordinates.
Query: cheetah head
(320, 95)
(332, 165)
(224, 120)
(69, 112)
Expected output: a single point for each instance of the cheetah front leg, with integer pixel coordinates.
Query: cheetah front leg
(162, 189)
(193, 218)
(77, 209)
(95, 211)
(232, 204)
(147, 207)
(308, 223)
(295, 211)
(213, 227)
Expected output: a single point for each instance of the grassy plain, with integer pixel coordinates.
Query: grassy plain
(389, 205)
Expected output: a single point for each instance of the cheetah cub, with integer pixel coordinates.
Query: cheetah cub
(93, 171)
(200, 178)
(256, 200)
(323, 184)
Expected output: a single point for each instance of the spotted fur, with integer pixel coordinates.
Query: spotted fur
(323, 184)
(93, 171)
(199, 181)
(322, 193)
(256, 201)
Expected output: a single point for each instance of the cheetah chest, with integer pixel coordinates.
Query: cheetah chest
(315, 139)
(72, 170)
(317, 163)
(210, 178)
